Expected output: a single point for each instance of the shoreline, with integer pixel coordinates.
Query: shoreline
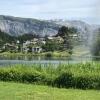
(47, 54)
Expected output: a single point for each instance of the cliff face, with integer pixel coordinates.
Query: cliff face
(16, 26)
(19, 26)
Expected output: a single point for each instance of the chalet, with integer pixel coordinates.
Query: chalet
(59, 39)
(50, 38)
(36, 49)
(10, 47)
(74, 36)
(56, 39)
(25, 49)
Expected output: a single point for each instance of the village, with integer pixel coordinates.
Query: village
(35, 45)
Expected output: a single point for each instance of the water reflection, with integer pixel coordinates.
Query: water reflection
(8, 60)
(31, 58)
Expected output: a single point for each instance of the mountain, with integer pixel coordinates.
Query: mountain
(16, 26)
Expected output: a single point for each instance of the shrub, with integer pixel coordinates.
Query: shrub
(65, 80)
(49, 54)
(82, 76)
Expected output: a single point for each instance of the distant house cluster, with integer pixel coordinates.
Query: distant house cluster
(34, 45)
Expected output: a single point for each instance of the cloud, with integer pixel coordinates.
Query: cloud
(47, 9)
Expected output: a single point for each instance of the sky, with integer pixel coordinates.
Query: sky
(85, 10)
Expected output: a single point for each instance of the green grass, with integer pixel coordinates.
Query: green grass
(18, 91)
(83, 76)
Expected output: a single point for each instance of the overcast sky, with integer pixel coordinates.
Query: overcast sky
(86, 10)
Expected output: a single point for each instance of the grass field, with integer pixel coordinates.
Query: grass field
(18, 91)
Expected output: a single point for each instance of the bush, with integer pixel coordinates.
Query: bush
(17, 76)
(83, 83)
(65, 80)
(82, 76)
(9, 75)
(48, 54)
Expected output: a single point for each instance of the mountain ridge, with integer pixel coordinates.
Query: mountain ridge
(16, 26)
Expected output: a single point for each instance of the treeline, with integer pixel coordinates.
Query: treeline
(26, 37)
(6, 38)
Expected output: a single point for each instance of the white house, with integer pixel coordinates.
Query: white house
(36, 49)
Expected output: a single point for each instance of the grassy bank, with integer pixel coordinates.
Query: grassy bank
(48, 54)
(82, 76)
(17, 91)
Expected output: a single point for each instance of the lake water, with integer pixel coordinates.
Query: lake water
(9, 60)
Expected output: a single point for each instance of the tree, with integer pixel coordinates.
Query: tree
(63, 31)
(66, 33)
(26, 37)
(6, 38)
(51, 46)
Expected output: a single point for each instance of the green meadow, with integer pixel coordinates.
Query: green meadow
(19, 91)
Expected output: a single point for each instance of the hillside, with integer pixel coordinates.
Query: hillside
(16, 26)
(4, 38)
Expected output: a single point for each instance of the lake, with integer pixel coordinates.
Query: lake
(9, 60)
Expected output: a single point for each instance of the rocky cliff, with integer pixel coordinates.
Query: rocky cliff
(16, 26)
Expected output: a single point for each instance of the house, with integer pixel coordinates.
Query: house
(31, 46)
(34, 41)
(43, 42)
(50, 38)
(74, 36)
(57, 39)
(27, 42)
(10, 47)
(36, 49)
(25, 49)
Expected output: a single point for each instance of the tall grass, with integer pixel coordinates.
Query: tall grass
(83, 76)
